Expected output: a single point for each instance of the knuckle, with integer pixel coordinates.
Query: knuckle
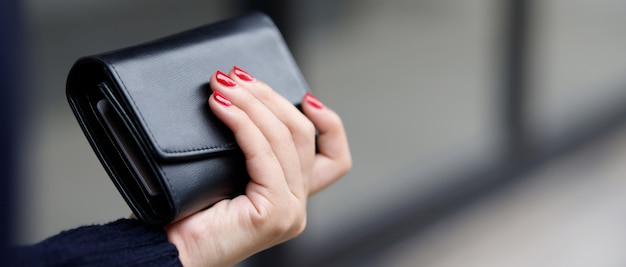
(304, 128)
(260, 153)
(265, 87)
(283, 136)
(336, 120)
(292, 222)
(308, 128)
(263, 91)
(283, 131)
(344, 164)
(300, 226)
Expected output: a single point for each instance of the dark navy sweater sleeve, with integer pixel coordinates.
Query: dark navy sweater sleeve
(123, 242)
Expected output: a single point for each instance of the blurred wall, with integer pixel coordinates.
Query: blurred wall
(417, 84)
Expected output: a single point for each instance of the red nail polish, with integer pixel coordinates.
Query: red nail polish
(313, 101)
(242, 74)
(221, 99)
(224, 80)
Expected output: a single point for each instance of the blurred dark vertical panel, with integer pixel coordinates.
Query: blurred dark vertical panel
(281, 12)
(10, 46)
(516, 50)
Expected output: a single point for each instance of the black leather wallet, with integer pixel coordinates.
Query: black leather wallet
(144, 111)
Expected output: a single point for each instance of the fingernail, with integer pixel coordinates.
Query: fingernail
(221, 99)
(242, 74)
(224, 80)
(313, 101)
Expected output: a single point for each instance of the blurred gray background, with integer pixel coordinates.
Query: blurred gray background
(419, 87)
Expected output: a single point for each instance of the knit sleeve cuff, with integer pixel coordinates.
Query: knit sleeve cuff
(124, 242)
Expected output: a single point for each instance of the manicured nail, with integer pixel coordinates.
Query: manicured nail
(313, 101)
(221, 99)
(242, 74)
(224, 79)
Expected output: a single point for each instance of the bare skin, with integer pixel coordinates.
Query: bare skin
(279, 145)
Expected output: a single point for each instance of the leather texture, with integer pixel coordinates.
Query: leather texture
(157, 94)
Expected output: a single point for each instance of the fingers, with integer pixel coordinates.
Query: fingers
(288, 132)
(251, 140)
(260, 134)
(334, 159)
(300, 127)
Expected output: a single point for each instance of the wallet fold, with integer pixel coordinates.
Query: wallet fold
(144, 111)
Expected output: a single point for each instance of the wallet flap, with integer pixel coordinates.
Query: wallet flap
(163, 86)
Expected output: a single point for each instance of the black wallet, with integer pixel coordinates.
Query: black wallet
(144, 111)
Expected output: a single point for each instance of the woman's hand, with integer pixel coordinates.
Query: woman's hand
(278, 142)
